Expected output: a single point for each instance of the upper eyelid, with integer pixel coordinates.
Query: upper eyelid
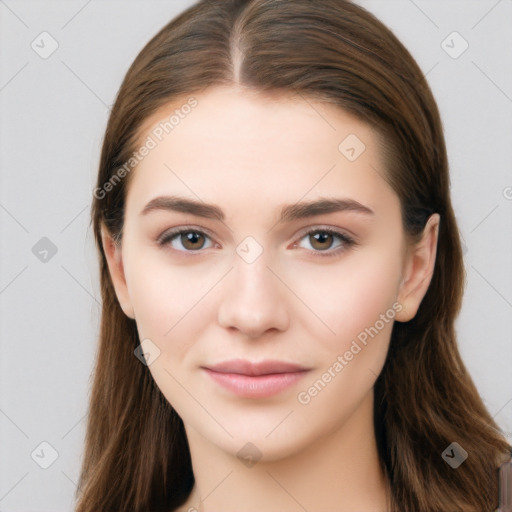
(326, 228)
(183, 229)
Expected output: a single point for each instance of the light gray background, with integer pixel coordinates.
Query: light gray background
(53, 115)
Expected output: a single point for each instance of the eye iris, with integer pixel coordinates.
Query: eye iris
(321, 238)
(191, 238)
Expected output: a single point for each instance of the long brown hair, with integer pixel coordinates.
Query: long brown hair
(136, 453)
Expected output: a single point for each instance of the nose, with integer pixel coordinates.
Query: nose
(253, 299)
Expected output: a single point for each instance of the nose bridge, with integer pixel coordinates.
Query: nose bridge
(252, 301)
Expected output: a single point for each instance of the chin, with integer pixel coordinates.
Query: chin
(267, 437)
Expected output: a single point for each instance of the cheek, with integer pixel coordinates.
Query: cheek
(348, 296)
(169, 302)
(371, 293)
(359, 304)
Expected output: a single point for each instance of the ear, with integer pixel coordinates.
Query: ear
(113, 255)
(419, 268)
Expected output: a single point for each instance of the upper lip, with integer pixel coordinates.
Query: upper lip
(243, 367)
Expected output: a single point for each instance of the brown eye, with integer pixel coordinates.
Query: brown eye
(327, 242)
(321, 240)
(185, 240)
(192, 240)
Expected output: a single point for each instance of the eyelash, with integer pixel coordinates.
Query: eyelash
(347, 242)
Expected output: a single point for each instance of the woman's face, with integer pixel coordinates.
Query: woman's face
(268, 319)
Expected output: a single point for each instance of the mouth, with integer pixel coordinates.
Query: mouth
(255, 380)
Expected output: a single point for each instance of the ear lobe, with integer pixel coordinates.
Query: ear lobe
(113, 255)
(419, 268)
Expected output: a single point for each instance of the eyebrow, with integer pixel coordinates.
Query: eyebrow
(288, 213)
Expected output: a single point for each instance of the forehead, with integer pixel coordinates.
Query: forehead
(232, 142)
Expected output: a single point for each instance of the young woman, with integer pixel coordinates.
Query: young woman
(281, 271)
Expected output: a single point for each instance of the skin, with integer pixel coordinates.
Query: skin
(251, 154)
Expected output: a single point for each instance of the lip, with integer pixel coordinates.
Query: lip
(255, 380)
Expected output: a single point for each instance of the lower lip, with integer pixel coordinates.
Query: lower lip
(261, 386)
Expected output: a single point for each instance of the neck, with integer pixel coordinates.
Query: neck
(339, 472)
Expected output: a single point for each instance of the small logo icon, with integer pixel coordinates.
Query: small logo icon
(44, 455)
(249, 455)
(454, 455)
(351, 147)
(44, 250)
(249, 249)
(44, 45)
(147, 352)
(454, 45)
